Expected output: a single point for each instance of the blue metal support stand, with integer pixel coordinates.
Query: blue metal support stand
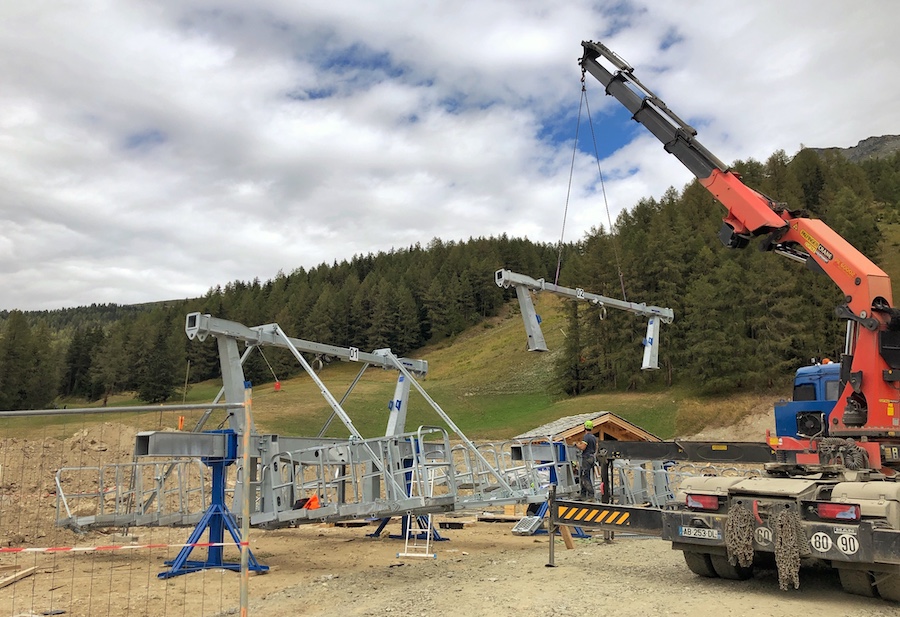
(422, 535)
(381, 526)
(407, 519)
(217, 519)
(423, 526)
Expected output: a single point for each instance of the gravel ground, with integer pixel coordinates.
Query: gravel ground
(481, 570)
(485, 570)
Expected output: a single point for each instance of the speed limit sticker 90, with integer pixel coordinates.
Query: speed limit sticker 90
(846, 543)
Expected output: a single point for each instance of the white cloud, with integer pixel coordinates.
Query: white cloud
(159, 149)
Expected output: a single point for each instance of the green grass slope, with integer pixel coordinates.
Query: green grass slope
(493, 389)
(489, 386)
(889, 259)
(483, 379)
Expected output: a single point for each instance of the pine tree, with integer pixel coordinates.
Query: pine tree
(441, 312)
(850, 216)
(27, 371)
(408, 335)
(570, 369)
(157, 363)
(807, 168)
(383, 330)
(78, 378)
(320, 323)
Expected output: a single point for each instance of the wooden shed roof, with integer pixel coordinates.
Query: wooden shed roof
(607, 426)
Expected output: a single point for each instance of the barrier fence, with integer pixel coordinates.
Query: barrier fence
(50, 568)
(654, 483)
(92, 525)
(87, 526)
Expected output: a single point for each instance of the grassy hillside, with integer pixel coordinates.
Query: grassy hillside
(483, 379)
(488, 384)
(890, 252)
(492, 388)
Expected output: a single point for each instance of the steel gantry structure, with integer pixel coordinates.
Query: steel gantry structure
(433, 468)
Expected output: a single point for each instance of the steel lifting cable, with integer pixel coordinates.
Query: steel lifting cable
(571, 175)
(586, 105)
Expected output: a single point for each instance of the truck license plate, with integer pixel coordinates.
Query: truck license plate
(700, 532)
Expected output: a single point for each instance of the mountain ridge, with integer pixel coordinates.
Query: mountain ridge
(878, 147)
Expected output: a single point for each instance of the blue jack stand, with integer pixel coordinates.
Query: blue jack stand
(217, 519)
(422, 521)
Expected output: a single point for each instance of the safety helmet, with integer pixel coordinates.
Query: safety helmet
(589, 425)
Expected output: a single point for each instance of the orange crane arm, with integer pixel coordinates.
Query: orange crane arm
(871, 361)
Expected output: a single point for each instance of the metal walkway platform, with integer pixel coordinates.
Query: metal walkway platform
(414, 473)
(429, 470)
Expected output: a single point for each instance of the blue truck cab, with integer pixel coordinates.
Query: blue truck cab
(816, 390)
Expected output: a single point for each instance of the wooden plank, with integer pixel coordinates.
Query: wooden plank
(10, 567)
(9, 580)
(566, 534)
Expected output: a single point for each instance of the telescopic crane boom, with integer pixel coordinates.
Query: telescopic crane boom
(869, 406)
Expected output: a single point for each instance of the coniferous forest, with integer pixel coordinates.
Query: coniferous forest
(744, 319)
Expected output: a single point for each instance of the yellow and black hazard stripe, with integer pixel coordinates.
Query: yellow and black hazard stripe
(609, 516)
(592, 514)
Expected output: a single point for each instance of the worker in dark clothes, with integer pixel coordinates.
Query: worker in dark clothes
(588, 447)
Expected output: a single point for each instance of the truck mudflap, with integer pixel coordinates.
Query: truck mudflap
(635, 519)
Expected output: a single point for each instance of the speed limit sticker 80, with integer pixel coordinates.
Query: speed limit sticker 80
(846, 543)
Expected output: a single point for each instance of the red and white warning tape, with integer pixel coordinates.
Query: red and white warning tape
(115, 547)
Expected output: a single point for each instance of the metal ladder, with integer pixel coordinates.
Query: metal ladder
(418, 544)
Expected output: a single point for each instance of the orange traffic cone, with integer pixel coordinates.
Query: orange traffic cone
(312, 503)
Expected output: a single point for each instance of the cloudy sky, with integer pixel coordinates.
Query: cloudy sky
(151, 150)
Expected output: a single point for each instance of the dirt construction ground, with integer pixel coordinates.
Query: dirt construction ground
(484, 570)
(481, 570)
(321, 569)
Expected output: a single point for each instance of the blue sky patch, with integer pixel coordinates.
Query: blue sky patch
(357, 58)
(312, 94)
(672, 37)
(613, 128)
(618, 16)
(144, 140)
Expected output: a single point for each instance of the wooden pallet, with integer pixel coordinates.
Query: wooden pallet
(488, 517)
(352, 523)
(457, 524)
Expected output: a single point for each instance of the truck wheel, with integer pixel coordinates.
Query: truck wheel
(889, 586)
(699, 564)
(857, 582)
(724, 569)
